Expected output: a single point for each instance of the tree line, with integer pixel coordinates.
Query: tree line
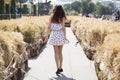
(83, 7)
(86, 7)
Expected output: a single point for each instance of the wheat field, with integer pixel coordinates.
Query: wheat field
(16, 33)
(101, 39)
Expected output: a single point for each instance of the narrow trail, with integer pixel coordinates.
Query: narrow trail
(76, 66)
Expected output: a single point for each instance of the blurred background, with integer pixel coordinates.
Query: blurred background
(91, 8)
(23, 28)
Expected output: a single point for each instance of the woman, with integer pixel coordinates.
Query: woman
(57, 37)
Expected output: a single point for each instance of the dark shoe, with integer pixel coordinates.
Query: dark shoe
(61, 70)
(57, 72)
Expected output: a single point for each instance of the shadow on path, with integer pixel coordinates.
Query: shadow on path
(61, 77)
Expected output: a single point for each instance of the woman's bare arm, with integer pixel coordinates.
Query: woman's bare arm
(64, 29)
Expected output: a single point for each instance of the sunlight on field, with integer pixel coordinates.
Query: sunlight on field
(101, 38)
(34, 26)
(16, 33)
(11, 43)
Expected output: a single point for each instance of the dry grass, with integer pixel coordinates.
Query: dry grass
(10, 43)
(108, 54)
(104, 37)
(15, 33)
(31, 27)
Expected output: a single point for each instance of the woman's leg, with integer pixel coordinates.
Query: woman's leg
(60, 56)
(56, 51)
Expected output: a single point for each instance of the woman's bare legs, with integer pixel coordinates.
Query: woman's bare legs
(56, 51)
(60, 56)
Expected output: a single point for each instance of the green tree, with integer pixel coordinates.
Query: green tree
(91, 7)
(85, 6)
(102, 10)
(35, 10)
(67, 7)
(73, 8)
(112, 6)
(8, 12)
(107, 10)
(73, 12)
(76, 6)
(13, 8)
(1, 6)
(99, 7)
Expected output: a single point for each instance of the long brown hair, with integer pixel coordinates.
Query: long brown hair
(58, 14)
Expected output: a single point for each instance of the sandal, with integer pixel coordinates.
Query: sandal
(57, 72)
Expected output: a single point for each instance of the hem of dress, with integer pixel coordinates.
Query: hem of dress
(57, 44)
(66, 42)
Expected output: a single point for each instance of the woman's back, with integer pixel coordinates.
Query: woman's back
(55, 26)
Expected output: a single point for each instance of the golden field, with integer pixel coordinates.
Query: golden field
(30, 27)
(11, 44)
(100, 40)
(15, 34)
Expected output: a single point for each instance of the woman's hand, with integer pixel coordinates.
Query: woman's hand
(67, 41)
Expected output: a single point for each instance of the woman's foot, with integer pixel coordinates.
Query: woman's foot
(57, 72)
(61, 70)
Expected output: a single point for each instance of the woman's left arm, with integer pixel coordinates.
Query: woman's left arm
(64, 29)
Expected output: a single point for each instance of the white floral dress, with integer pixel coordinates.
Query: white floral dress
(57, 35)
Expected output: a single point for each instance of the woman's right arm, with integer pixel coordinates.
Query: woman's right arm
(64, 29)
(63, 26)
